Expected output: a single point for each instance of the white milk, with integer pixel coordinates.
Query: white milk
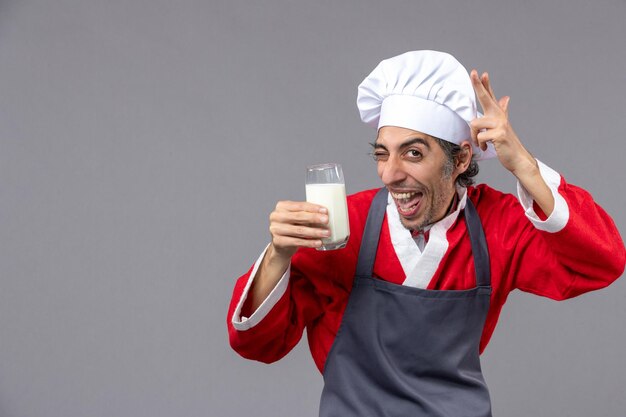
(333, 197)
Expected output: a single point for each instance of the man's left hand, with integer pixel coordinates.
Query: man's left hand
(494, 127)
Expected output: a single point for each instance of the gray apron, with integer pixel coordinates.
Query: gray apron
(402, 351)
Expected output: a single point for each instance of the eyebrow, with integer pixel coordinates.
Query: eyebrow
(404, 144)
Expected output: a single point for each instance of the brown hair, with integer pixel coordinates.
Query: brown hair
(452, 151)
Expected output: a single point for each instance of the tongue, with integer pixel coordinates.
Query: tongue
(406, 204)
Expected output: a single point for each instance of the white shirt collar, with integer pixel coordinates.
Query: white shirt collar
(419, 266)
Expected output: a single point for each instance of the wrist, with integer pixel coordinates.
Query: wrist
(531, 180)
(526, 168)
(272, 268)
(275, 257)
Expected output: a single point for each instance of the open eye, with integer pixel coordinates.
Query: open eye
(413, 154)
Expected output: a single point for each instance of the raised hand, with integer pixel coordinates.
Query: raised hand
(494, 127)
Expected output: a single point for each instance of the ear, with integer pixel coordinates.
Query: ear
(464, 158)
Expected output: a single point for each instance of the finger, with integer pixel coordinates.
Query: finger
(300, 206)
(485, 122)
(299, 217)
(504, 104)
(484, 98)
(487, 83)
(482, 143)
(484, 138)
(291, 242)
(474, 132)
(299, 231)
(479, 125)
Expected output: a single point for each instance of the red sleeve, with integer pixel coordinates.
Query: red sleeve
(586, 254)
(281, 329)
(318, 286)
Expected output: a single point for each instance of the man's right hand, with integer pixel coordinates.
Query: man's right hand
(293, 225)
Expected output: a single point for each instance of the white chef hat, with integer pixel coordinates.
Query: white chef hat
(427, 91)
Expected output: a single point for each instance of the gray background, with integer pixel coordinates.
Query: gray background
(143, 144)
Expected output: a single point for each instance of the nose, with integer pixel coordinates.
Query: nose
(391, 171)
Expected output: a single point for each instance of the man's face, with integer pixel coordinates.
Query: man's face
(412, 166)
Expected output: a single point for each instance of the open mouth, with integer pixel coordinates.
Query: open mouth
(407, 203)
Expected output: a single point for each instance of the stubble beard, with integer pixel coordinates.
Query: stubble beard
(430, 216)
(438, 201)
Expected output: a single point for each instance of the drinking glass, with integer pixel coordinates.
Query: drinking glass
(325, 186)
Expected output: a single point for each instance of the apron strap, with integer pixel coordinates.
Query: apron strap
(480, 250)
(371, 235)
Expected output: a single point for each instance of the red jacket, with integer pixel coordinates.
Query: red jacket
(584, 255)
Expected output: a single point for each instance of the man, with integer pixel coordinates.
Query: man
(396, 320)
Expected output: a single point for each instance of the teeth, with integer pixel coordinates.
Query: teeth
(403, 196)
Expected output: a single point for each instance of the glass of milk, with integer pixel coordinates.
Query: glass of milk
(325, 186)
